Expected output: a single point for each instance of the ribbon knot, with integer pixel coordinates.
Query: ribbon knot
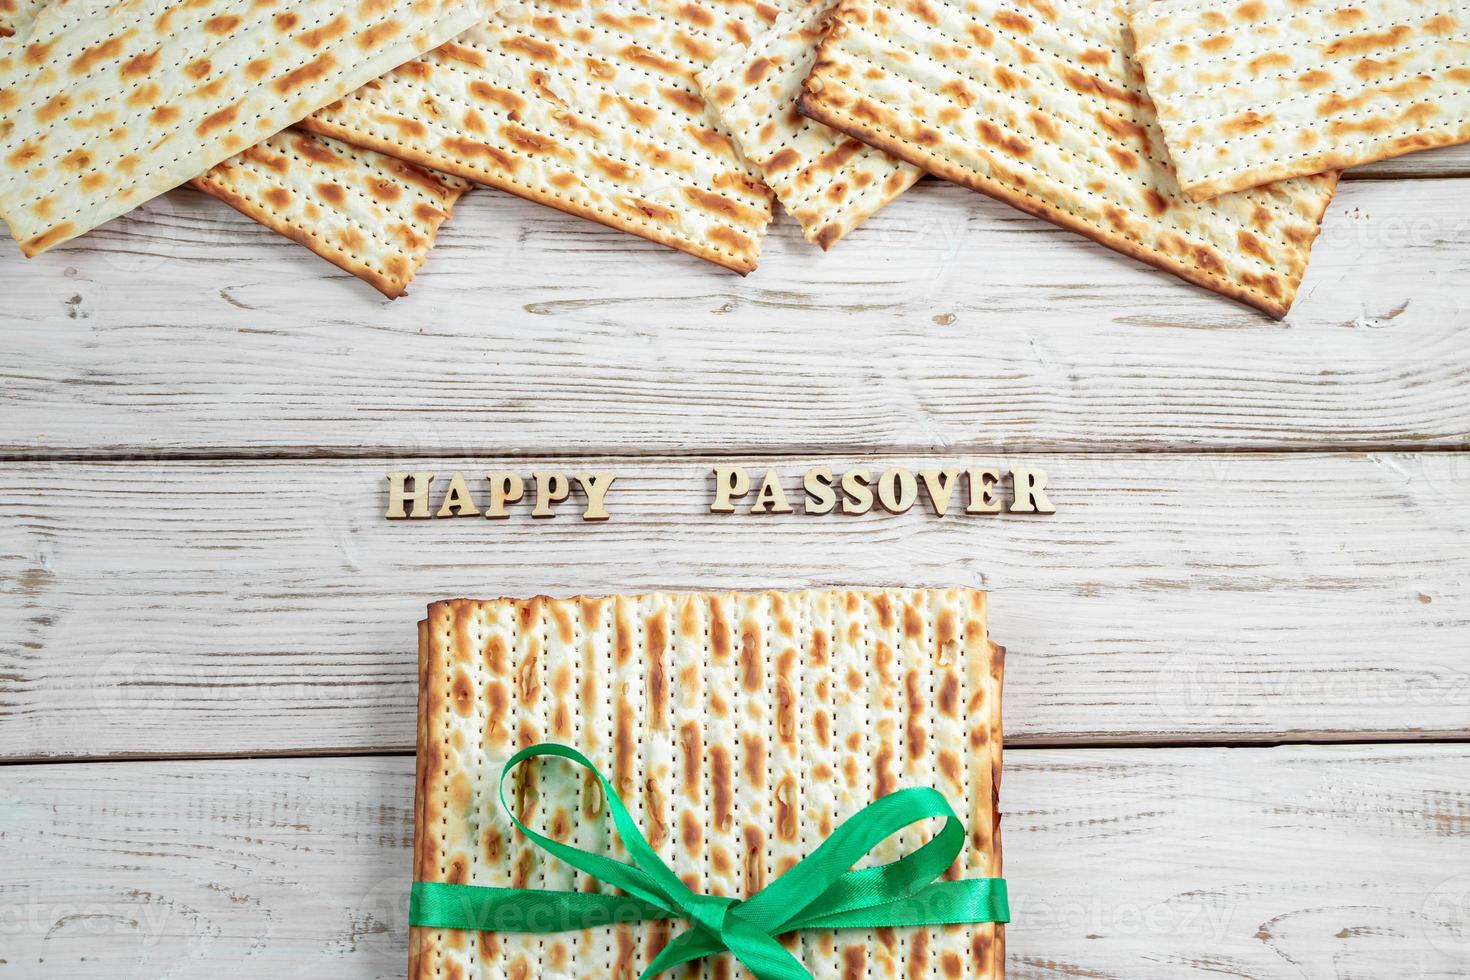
(821, 891)
(708, 912)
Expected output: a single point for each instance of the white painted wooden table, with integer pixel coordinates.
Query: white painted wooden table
(1238, 702)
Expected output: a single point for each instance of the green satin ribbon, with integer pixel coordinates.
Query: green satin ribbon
(819, 892)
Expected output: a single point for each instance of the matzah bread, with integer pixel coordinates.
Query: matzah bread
(589, 106)
(739, 730)
(105, 112)
(1040, 104)
(829, 182)
(1255, 91)
(370, 214)
(16, 16)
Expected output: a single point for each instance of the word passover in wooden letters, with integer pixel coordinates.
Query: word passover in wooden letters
(895, 490)
(974, 490)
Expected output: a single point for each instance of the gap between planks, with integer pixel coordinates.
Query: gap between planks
(1356, 739)
(747, 455)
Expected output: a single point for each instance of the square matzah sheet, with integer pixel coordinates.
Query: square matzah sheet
(1039, 103)
(828, 181)
(589, 106)
(740, 729)
(1250, 91)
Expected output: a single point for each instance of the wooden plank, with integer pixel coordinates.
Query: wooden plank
(1146, 864)
(1447, 161)
(948, 322)
(263, 607)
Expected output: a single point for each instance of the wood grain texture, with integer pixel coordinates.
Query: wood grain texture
(1448, 161)
(1297, 863)
(250, 607)
(949, 321)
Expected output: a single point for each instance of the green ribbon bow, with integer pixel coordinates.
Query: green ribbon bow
(819, 892)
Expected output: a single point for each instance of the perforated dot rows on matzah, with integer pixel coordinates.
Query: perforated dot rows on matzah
(100, 113)
(589, 106)
(1040, 104)
(1250, 91)
(373, 215)
(828, 181)
(740, 729)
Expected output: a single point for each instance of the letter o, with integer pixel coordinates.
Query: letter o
(897, 490)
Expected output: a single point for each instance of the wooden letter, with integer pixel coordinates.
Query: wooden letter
(505, 488)
(982, 484)
(857, 499)
(820, 497)
(399, 494)
(595, 486)
(551, 488)
(897, 490)
(457, 499)
(939, 485)
(730, 482)
(1029, 482)
(770, 499)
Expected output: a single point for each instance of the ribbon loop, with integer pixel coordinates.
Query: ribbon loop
(821, 891)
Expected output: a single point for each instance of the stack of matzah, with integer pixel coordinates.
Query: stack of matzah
(590, 106)
(828, 182)
(106, 108)
(371, 215)
(678, 120)
(739, 730)
(1040, 104)
(1250, 92)
(109, 111)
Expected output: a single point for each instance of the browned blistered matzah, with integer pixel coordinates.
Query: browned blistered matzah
(589, 106)
(101, 113)
(370, 214)
(1040, 104)
(828, 181)
(740, 729)
(1250, 91)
